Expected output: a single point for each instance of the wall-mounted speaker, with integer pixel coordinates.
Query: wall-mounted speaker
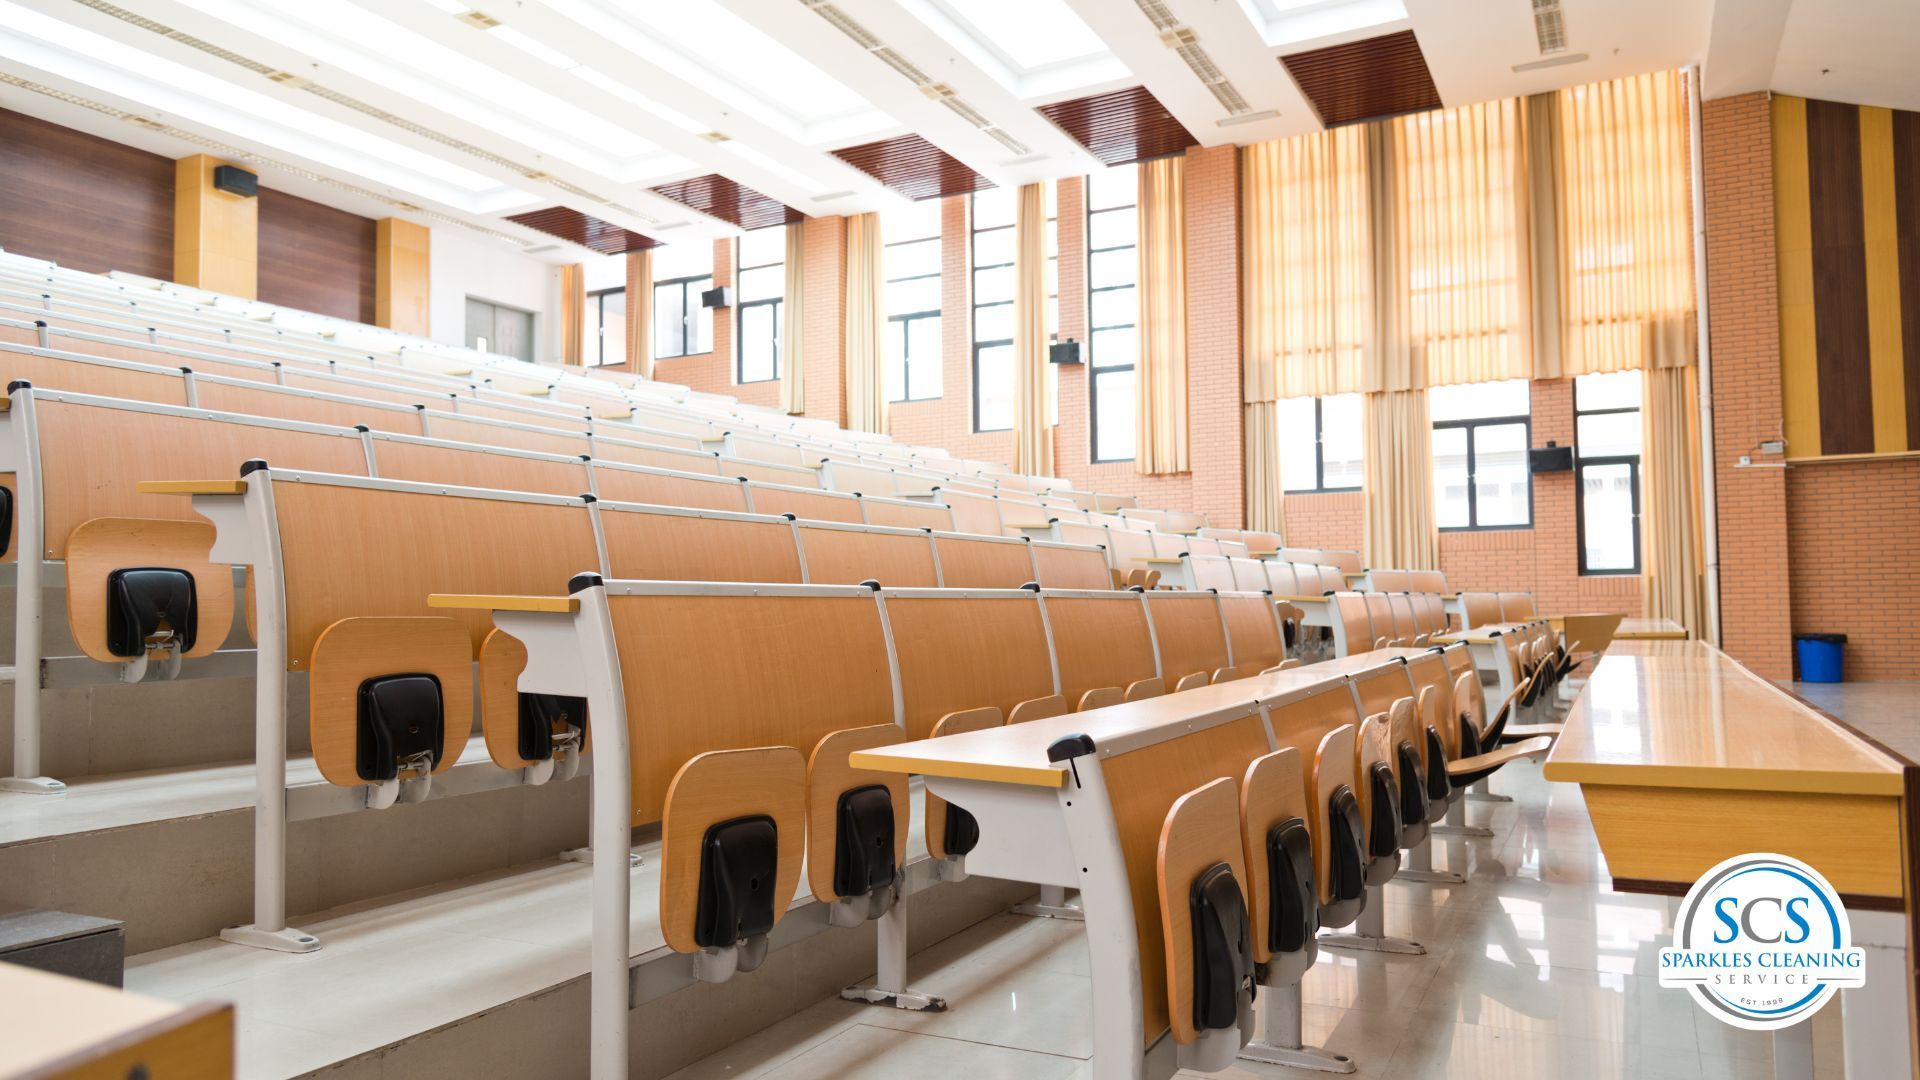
(1554, 458)
(1063, 352)
(235, 180)
(717, 298)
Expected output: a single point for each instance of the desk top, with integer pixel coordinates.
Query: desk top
(1650, 630)
(51, 1018)
(1479, 635)
(1684, 714)
(1017, 753)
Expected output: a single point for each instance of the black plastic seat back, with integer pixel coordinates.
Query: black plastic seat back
(1438, 786)
(142, 599)
(539, 714)
(1383, 832)
(864, 860)
(6, 519)
(739, 863)
(1222, 948)
(1413, 785)
(1293, 896)
(399, 716)
(1346, 859)
(962, 833)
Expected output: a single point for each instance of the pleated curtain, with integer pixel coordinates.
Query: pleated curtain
(1161, 379)
(573, 312)
(1266, 500)
(1672, 582)
(1032, 438)
(639, 358)
(1397, 475)
(793, 365)
(866, 325)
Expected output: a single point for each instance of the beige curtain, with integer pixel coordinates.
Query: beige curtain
(866, 325)
(1161, 378)
(793, 365)
(1398, 479)
(1032, 439)
(1266, 501)
(573, 312)
(1450, 199)
(1672, 584)
(1625, 224)
(1307, 264)
(639, 358)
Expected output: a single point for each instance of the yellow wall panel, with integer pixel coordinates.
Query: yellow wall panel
(216, 236)
(1794, 247)
(403, 268)
(1883, 281)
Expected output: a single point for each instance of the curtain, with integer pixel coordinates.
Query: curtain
(1625, 220)
(1032, 439)
(639, 358)
(573, 312)
(1161, 381)
(1266, 501)
(1451, 245)
(1672, 584)
(866, 325)
(1307, 264)
(1398, 479)
(793, 365)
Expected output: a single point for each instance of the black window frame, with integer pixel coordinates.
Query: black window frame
(1320, 458)
(1581, 461)
(777, 303)
(1094, 367)
(908, 318)
(690, 305)
(1473, 487)
(598, 300)
(974, 305)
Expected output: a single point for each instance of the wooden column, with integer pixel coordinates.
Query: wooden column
(403, 259)
(216, 236)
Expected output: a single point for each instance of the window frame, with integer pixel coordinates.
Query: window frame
(690, 305)
(598, 300)
(1580, 463)
(1094, 367)
(974, 305)
(906, 319)
(777, 303)
(1473, 487)
(1319, 458)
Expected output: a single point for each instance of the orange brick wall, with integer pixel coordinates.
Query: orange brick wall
(1744, 321)
(1851, 539)
(823, 330)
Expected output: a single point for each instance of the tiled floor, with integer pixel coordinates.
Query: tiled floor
(1883, 710)
(1535, 969)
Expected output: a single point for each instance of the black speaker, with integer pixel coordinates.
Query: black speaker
(1063, 352)
(235, 180)
(717, 298)
(1554, 458)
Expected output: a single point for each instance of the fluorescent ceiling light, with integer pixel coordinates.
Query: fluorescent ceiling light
(1028, 34)
(1287, 22)
(608, 84)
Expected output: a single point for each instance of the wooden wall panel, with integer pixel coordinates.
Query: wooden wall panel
(83, 201)
(316, 258)
(1839, 277)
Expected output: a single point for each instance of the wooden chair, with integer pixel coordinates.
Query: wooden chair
(1352, 624)
(1516, 606)
(1254, 635)
(850, 554)
(1190, 635)
(1406, 632)
(1070, 566)
(1101, 641)
(1479, 609)
(984, 562)
(763, 498)
(1386, 633)
(672, 544)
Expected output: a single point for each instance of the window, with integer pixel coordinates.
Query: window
(1606, 431)
(912, 263)
(1481, 433)
(994, 213)
(1320, 441)
(681, 326)
(761, 256)
(605, 341)
(1113, 308)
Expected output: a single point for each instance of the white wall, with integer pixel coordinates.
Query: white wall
(464, 265)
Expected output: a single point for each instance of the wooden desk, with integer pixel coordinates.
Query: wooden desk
(1650, 630)
(53, 1026)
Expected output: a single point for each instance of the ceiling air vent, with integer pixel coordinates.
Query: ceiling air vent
(1184, 42)
(478, 19)
(1549, 27)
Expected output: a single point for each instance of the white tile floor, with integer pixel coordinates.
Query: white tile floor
(1536, 969)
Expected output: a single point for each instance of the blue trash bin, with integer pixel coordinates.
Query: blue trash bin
(1822, 656)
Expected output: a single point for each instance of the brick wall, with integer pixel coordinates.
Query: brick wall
(1744, 322)
(823, 332)
(1851, 529)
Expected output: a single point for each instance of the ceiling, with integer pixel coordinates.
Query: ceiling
(677, 121)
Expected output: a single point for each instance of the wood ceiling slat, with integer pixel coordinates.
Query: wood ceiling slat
(1365, 80)
(737, 204)
(913, 167)
(1121, 126)
(569, 224)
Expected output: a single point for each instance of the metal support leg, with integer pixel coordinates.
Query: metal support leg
(1280, 1016)
(1051, 905)
(1419, 867)
(1479, 792)
(28, 600)
(890, 980)
(1370, 931)
(1793, 1052)
(1456, 824)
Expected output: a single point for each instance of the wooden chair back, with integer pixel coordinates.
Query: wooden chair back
(88, 374)
(1352, 624)
(654, 543)
(1430, 581)
(513, 436)
(1210, 572)
(1281, 580)
(1253, 632)
(1433, 681)
(1067, 566)
(1191, 636)
(1099, 641)
(659, 487)
(983, 562)
(404, 457)
(850, 554)
(972, 512)
(672, 457)
(803, 503)
(905, 514)
(1387, 581)
(1249, 575)
(1479, 609)
(1405, 630)
(1516, 606)
(959, 652)
(1380, 613)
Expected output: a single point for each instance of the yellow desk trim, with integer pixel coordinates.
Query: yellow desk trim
(193, 487)
(1025, 776)
(459, 601)
(625, 414)
(1162, 560)
(1650, 635)
(1726, 778)
(1302, 599)
(6, 404)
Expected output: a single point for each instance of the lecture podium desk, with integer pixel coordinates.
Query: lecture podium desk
(1634, 629)
(1049, 823)
(52, 1026)
(1686, 758)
